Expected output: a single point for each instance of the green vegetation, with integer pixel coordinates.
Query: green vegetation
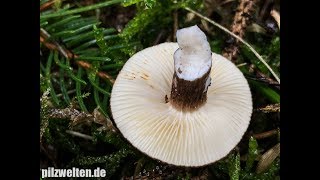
(84, 46)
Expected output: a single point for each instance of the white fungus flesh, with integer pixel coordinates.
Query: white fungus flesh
(145, 118)
(193, 58)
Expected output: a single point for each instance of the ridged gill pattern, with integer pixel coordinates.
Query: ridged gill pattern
(181, 138)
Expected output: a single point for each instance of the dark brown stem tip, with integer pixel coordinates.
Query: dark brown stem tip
(189, 95)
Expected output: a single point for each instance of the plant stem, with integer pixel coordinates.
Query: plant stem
(81, 135)
(82, 9)
(240, 39)
(46, 5)
(266, 134)
(67, 54)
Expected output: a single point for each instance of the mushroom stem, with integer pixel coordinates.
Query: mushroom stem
(192, 66)
(189, 95)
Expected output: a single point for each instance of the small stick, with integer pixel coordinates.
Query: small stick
(242, 64)
(69, 55)
(239, 38)
(267, 158)
(46, 5)
(81, 135)
(266, 134)
(68, 92)
(238, 27)
(276, 16)
(266, 78)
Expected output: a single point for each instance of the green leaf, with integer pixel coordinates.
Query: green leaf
(74, 40)
(42, 24)
(78, 92)
(99, 36)
(216, 46)
(67, 67)
(64, 21)
(252, 154)
(69, 34)
(81, 9)
(87, 44)
(234, 166)
(126, 3)
(266, 91)
(87, 58)
(150, 3)
(49, 82)
(97, 100)
(63, 87)
(112, 66)
(92, 78)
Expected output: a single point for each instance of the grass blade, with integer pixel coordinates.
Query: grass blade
(87, 58)
(92, 78)
(240, 39)
(252, 154)
(63, 88)
(78, 92)
(67, 68)
(87, 44)
(48, 76)
(82, 9)
(64, 21)
(97, 101)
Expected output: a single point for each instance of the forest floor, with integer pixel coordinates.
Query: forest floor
(84, 44)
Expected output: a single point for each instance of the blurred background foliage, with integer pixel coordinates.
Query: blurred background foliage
(85, 43)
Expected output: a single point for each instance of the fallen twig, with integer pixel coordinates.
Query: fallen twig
(267, 158)
(238, 27)
(276, 16)
(266, 134)
(262, 77)
(78, 134)
(46, 5)
(69, 55)
(242, 64)
(239, 38)
(266, 78)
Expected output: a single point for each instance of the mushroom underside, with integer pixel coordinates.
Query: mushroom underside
(141, 111)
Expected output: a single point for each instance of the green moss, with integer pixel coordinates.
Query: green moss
(234, 166)
(77, 28)
(252, 153)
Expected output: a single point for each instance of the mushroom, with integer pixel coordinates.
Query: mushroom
(180, 103)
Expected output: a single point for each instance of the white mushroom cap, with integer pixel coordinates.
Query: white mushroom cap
(153, 126)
